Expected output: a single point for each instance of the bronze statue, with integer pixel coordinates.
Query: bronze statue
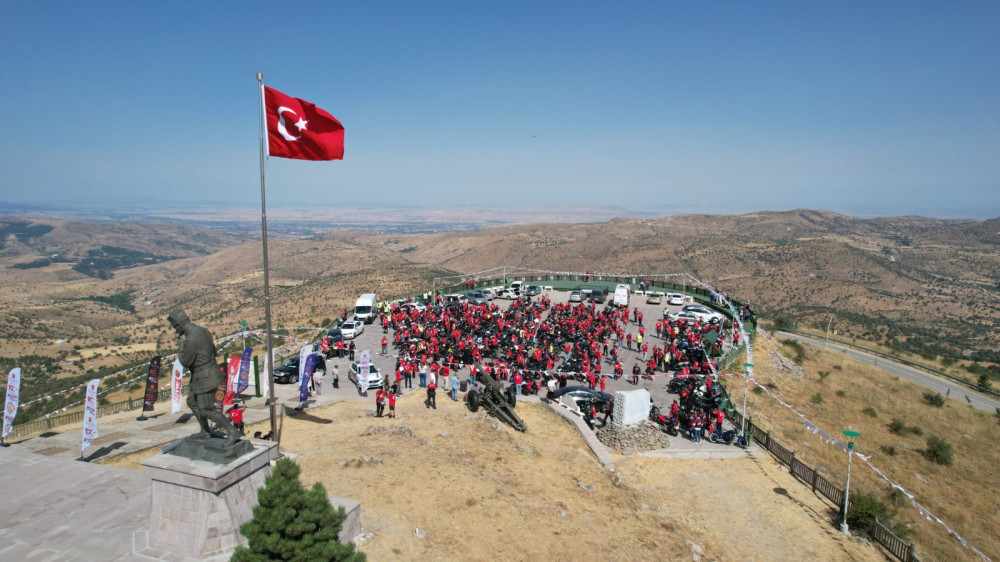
(197, 354)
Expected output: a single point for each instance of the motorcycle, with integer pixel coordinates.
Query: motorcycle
(729, 437)
(669, 425)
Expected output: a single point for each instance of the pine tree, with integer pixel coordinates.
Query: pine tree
(292, 523)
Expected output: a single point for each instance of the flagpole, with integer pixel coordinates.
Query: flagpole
(267, 288)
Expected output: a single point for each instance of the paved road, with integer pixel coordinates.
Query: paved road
(950, 389)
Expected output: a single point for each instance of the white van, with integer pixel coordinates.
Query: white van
(364, 309)
(621, 295)
(516, 286)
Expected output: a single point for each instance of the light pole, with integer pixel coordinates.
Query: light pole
(746, 385)
(851, 436)
(828, 331)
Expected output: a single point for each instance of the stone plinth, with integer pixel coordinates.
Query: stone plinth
(631, 406)
(198, 507)
(351, 527)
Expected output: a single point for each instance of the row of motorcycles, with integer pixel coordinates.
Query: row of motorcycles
(672, 426)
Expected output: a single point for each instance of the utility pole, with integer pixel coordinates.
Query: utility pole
(851, 436)
(828, 331)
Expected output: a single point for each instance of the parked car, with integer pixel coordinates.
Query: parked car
(599, 296)
(509, 294)
(489, 294)
(374, 376)
(288, 372)
(410, 306)
(477, 297)
(579, 395)
(684, 317)
(654, 298)
(676, 299)
(533, 290)
(576, 296)
(702, 312)
(352, 329)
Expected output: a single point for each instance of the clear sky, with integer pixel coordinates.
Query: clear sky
(864, 108)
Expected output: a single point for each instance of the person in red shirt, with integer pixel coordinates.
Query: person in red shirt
(385, 345)
(236, 415)
(380, 400)
(603, 382)
(392, 402)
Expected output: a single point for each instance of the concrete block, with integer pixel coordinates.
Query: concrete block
(631, 406)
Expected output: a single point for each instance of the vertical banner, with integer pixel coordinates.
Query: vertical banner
(176, 382)
(152, 385)
(254, 380)
(265, 377)
(90, 415)
(244, 380)
(10, 405)
(303, 354)
(306, 375)
(231, 376)
(364, 365)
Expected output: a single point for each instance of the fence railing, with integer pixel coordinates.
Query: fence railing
(810, 476)
(50, 422)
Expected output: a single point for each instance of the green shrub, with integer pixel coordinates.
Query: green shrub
(889, 450)
(897, 426)
(938, 450)
(797, 349)
(983, 381)
(292, 523)
(870, 412)
(817, 398)
(841, 393)
(915, 429)
(934, 399)
(863, 508)
(823, 375)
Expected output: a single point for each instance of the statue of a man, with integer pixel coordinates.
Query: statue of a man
(197, 354)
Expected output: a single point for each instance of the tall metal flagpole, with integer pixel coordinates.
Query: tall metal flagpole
(267, 285)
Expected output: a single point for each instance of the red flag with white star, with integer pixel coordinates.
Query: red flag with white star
(298, 129)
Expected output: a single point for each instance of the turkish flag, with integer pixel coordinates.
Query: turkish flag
(298, 129)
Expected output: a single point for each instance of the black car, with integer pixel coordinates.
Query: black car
(582, 395)
(288, 372)
(599, 296)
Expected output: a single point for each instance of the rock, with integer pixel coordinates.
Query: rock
(524, 449)
(420, 533)
(585, 488)
(695, 547)
(643, 436)
(444, 434)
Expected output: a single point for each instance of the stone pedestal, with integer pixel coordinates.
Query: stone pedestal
(198, 507)
(631, 406)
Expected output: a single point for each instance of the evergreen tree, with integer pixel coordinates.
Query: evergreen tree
(292, 523)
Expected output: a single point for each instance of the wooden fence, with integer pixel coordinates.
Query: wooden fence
(808, 475)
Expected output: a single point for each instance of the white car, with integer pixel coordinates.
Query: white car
(684, 317)
(704, 313)
(374, 376)
(509, 294)
(489, 294)
(411, 306)
(352, 329)
(676, 299)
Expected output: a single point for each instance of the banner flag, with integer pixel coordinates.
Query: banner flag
(232, 375)
(244, 380)
(252, 378)
(10, 405)
(307, 374)
(303, 355)
(152, 385)
(364, 365)
(265, 377)
(176, 383)
(90, 414)
(298, 129)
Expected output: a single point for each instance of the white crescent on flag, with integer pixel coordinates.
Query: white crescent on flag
(282, 130)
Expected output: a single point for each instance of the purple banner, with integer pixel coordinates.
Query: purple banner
(244, 380)
(306, 375)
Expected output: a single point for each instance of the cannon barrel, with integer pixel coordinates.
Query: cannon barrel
(497, 403)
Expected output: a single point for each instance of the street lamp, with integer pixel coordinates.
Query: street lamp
(851, 436)
(746, 385)
(830, 321)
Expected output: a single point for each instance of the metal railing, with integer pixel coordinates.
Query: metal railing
(808, 475)
(51, 422)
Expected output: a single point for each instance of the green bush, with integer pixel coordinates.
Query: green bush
(870, 412)
(798, 350)
(938, 450)
(841, 393)
(817, 398)
(863, 508)
(889, 450)
(292, 523)
(897, 426)
(934, 399)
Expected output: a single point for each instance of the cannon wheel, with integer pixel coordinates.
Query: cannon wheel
(473, 401)
(511, 396)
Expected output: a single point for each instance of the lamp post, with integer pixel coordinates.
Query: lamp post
(830, 321)
(851, 436)
(746, 385)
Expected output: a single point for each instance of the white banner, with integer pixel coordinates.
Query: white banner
(364, 365)
(265, 377)
(10, 407)
(90, 415)
(303, 355)
(176, 382)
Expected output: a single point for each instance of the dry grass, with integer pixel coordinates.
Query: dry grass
(965, 495)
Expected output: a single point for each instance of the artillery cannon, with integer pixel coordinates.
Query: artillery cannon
(497, 402)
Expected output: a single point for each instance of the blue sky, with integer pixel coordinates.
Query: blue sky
(863, 108)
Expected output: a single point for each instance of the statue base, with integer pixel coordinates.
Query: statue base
(198, 506)
(212, 450)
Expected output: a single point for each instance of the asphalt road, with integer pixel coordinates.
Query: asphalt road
(947, 388)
